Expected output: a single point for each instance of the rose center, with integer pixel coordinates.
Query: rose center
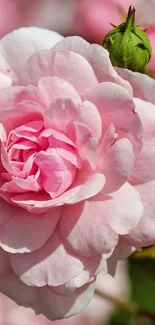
(40, 159)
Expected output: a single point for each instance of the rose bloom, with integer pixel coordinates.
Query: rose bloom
(97, 312)
(70, 137)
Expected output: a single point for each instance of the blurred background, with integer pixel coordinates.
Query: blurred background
(89, 19)
(129, 297)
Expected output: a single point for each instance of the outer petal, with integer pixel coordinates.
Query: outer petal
(67, 65)
(93, 226)
(55, 306)
(84, 228)
(144, 169)
(143, 86)
(23, 43)
(4, 262)
(17, 290)
(52, 264)
(116, 162)
(144, 233)
(12, 96)
(127, 206)
(24, 232)
(92, 266)
(116, 106)
(97, 56)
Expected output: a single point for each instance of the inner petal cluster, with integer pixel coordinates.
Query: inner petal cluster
(37, 159)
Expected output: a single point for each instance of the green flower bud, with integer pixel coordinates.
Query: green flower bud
(128, 45)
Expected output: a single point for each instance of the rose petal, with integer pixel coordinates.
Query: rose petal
(92, 267)
(85, 187)
(144, 233)
(143, 86)
(64, 111)
(23, 43)
(116, 106)
(144, 170)
(4, 264)
(85, 143)
(67, 65)
(54, 87)
(57, 174)
(97, 56)
(53, 264)
(17, 290)
(116, 163)
(20, 228)
(55, 306)
(88, 235)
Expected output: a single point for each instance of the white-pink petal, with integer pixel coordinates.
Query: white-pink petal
(66, 65)
(144, 233)
(4, 261)
(143, 86)
(55, 306)
(55, 87)
(116, 162)
(97, 56)
(144, 169)
(53, 264)
(85, 186)
(17, 290)
(85, 227)
(23, 43)
(24, 232)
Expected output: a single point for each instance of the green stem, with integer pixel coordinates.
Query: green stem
(127, 306)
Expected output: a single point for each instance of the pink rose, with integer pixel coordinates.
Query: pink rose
(69, 140)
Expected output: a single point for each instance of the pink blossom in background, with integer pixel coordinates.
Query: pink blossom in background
(94, 17)
(70, 137)
(57, 15)
(97, 312)
(9, 16)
